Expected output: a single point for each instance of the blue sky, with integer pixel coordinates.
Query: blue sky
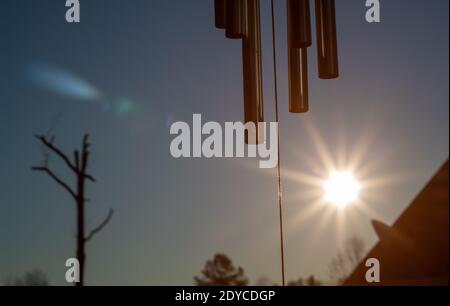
(158, 61)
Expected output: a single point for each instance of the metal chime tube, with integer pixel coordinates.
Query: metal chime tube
(299, 39)
(235, 19)
(251, 49)
(298, 80)
(220, 13)
(299, 23)
(326, 39)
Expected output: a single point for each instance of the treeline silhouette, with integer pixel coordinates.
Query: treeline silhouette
(34, 278)
(220, 271)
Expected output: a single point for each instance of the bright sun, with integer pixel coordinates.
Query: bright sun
(341, 189)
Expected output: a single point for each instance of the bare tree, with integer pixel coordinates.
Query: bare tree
(79, 167)
(347, 259)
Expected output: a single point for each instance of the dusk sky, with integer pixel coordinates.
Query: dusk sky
(143, 64)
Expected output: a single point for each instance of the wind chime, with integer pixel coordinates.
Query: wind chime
(241, 20)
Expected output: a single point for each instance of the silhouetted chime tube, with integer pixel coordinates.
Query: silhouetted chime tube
(299, 23)
(220, 13)
(235, 19)
(299, 38)
(298, 80)
(251, 49)
(326, 39)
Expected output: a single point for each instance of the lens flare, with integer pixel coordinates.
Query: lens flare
(61, 82)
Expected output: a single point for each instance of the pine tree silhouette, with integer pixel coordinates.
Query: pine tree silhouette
(221, 272)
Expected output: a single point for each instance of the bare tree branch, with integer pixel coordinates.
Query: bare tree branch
(49, 144)
(77, 159)
(90, 178)
(86, 143)
(85, 154)
(57, 179)
(100, 227)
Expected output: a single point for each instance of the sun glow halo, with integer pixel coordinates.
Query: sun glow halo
(341, 188)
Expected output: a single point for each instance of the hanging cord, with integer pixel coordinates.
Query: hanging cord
(280, 190)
